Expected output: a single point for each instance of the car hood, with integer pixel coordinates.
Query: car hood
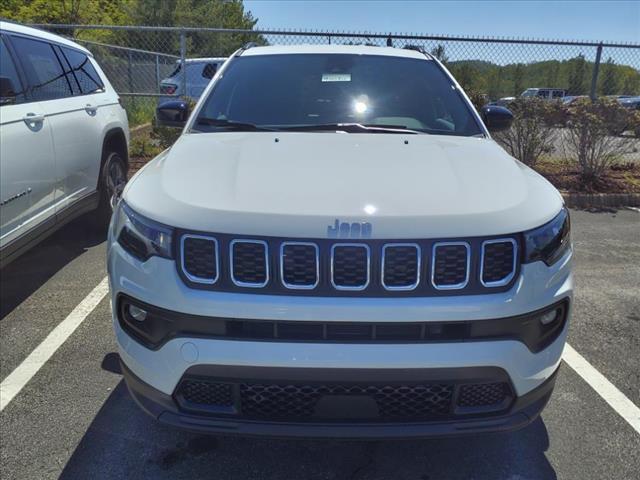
(296, 184)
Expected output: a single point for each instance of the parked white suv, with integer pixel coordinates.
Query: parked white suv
(63, 137)
(335, 246)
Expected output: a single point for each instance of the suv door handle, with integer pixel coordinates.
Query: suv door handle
(90, 109)
(33, 117)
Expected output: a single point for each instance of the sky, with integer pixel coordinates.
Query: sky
(612, 21)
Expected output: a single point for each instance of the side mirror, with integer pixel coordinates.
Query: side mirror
(496, 118)
(209, 70)
(7, 91)
(174, 113)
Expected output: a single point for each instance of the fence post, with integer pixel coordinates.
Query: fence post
(596, 70)
(129, 72)
(157, 74)
(183, 58)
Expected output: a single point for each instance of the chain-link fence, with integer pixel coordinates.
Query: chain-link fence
(137, 59)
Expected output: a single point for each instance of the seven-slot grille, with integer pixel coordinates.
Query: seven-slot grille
(498, 262)
(333, 268)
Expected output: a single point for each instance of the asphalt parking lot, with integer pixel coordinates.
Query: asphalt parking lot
(74, 418)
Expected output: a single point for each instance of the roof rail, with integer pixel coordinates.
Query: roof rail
(246, 46)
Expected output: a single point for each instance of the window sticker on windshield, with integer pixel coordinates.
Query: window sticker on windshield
(336, 77)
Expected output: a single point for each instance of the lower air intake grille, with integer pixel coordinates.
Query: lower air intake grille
(206, 393)
(301, 401)
(483, 394)
(341, 401)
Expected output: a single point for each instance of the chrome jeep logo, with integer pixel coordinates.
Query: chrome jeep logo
(349, 230)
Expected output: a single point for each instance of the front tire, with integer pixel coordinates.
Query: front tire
(113, 178)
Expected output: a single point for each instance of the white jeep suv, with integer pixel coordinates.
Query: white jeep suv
(335, 246)
(63, 137)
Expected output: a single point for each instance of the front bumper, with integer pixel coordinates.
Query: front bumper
(153, 375)
(521, 412)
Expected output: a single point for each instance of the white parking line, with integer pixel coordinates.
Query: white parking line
(614, 397)
(12, 385)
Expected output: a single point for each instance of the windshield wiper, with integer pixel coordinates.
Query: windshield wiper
(349, 128)
(231, 125)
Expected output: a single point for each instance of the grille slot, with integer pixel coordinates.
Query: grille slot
(350, 266)
(401, 266)
(450, 265)
(299, 265)
(200, 258)
(249, 263)
(498, 264)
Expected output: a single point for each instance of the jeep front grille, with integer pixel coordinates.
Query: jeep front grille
(325, 267)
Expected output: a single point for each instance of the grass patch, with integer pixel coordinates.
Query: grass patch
(140, 110)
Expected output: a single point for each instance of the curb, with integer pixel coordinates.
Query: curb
(598, 200)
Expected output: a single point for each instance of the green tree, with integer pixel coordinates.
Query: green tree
(108, 12)
(518, 78)
(630, 83)
(577, 84)
(439, 52)
(494, 84)
(608, 78)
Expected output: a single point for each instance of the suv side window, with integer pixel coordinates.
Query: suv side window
(11, 90)
(86, 75)
(209, 70)
(45, 76)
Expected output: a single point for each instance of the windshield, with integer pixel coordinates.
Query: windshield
(302, 91)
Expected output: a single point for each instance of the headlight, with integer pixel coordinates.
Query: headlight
(550, 241)
(140, 236)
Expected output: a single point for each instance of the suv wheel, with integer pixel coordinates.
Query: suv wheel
(113, 178)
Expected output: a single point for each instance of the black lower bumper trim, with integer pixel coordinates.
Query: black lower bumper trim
(522, 412)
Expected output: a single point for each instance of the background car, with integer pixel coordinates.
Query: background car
(63, 138)
(545, 93)
(199, 72)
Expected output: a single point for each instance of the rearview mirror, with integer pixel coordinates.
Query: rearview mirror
(7, 91)
(174, 113)
(496, 118)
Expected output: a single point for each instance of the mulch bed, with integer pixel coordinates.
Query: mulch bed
(620, 178)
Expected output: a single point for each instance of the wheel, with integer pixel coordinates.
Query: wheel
(113, 178)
